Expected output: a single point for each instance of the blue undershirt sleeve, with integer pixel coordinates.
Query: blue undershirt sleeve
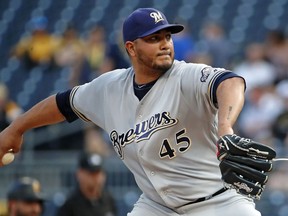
(63, 103)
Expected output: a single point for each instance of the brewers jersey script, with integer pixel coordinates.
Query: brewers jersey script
(157, 139)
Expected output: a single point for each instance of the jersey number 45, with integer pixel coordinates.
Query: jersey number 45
(170, 148)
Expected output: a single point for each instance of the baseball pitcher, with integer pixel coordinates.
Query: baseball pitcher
(170, 122)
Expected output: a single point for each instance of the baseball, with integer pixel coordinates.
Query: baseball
(8, 158)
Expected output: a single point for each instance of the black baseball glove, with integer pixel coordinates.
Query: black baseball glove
(244, 164)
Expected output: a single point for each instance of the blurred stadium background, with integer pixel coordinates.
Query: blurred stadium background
(243, 20)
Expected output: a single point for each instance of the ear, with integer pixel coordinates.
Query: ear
(10, 206)
(130, 47)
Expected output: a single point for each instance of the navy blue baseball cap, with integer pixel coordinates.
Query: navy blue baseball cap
(90, 161)
(26, 188)
(145, 21)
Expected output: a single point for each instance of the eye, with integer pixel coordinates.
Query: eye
(168, 37)
(154, 38)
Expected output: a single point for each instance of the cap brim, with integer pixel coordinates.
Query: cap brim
(92, 169)
(173, 28)
(33, 198)
(39, 197)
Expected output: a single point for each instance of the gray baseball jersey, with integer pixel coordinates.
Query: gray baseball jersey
(168, 138)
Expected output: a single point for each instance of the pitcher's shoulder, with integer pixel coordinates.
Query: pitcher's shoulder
(189, 65)
(116, 75)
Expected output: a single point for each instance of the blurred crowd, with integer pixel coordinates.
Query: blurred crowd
(87, 55)
(88, 197)
(263, 64)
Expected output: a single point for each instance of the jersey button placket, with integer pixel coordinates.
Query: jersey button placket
(139, 113)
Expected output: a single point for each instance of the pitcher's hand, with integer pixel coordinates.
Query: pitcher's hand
(10, 139)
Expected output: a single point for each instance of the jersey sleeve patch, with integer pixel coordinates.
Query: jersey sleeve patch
(205, 73)
(78, 113)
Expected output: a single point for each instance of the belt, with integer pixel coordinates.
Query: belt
(207, 197)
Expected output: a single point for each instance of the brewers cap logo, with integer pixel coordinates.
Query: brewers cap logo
(36, 187)
(157, 16)
(35, 184)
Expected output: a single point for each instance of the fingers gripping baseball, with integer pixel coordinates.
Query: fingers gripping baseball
(10, 143)
(244, 164)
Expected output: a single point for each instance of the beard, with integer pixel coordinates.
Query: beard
(161, 66)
